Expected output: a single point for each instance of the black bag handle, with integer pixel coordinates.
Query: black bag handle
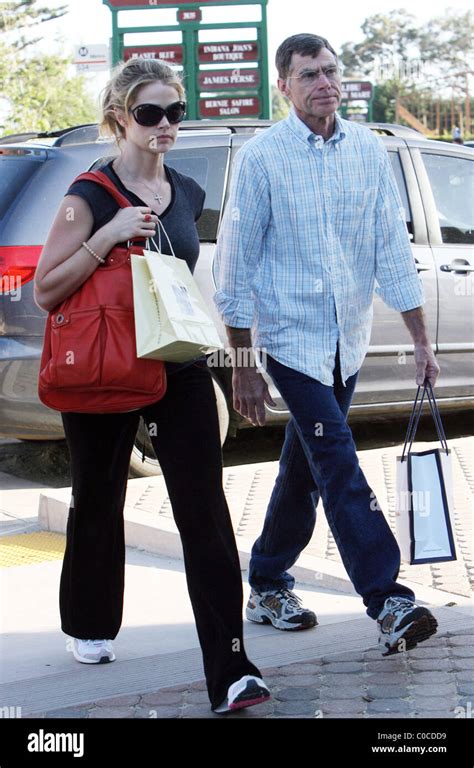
(416, 414)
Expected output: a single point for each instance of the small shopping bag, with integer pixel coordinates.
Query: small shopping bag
(172, 322)
(424, 498)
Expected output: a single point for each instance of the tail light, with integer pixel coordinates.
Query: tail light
(17, 266)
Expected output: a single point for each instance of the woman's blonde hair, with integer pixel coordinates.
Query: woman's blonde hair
(127, 78)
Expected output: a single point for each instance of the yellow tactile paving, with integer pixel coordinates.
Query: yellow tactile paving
(30, 548)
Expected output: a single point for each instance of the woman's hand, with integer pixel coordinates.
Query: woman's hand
(130, 223)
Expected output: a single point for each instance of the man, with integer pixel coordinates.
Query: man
(312, 222)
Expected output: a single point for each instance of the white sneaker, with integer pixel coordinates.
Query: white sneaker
(93, 651)
(282, 608)
(246, 692)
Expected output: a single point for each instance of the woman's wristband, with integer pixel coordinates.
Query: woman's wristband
(93, 253)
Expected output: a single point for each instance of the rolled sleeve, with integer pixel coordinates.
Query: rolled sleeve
(398, 282)
(240, 241)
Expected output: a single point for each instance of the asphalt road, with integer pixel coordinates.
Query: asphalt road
(48, 462)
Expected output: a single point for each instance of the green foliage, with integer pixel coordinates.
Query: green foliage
(445, 42)
(383, 105)
(18, 16)
(422, 63)
(280, 105)
(42, 98)
(37, 94)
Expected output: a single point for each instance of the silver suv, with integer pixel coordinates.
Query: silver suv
(436, 186)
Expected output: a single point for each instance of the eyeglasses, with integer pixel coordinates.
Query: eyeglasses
(152, 114)
(311, 76)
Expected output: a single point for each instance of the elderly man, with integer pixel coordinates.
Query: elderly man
(313, 221)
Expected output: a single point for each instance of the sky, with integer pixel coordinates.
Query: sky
(89, 21)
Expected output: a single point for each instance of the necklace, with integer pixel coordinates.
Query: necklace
(156, 195)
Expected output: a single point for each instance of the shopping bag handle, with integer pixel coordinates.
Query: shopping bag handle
(158, 248)
(416, 414)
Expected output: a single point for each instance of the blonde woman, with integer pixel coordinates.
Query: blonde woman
(143, 105)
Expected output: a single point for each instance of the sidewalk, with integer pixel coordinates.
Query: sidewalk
(333, 670)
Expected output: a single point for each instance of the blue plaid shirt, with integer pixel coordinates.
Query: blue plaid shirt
(309, 227)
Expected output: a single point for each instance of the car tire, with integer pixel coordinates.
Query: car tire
(151, 466)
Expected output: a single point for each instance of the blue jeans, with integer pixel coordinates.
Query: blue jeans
(319, 459)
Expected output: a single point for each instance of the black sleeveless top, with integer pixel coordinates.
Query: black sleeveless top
(179, 218)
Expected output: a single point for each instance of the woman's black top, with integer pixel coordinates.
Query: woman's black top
(179, 218)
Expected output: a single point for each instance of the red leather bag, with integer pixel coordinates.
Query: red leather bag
(89, 362)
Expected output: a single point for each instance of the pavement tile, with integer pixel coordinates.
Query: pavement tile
(110, 712)
(162, 698)
(388, 705)
(296, 694)
(387, 692)
(434, 690)
(73, 712)
(350, 707)
(343, 667)
(120, 701)
(295, 708)
(156, 713)
(342, 692)
(434, 702)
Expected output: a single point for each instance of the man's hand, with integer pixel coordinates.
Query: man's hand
(426, 365)
(250, 394)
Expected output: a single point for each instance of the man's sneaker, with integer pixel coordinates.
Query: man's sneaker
(93, 651)
(281, 608)
(402, 625)
(246, 692)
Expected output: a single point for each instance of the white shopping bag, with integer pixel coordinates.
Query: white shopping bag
(171, 319)
(424, 499)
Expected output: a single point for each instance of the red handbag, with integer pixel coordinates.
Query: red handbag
(89, 362)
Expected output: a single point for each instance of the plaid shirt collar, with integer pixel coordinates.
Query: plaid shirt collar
(305, 134)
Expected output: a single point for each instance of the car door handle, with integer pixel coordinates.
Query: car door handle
(456, 267)
(422, 267)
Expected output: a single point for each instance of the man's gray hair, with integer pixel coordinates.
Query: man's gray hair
(304, 44)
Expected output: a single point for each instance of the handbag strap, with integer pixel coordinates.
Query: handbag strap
(100, 178)
(427, 390)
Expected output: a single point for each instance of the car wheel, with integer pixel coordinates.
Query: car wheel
(151, 465)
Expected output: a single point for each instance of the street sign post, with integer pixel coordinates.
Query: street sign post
(172, 54)
(357, 99)
(247, 107)
(225, 79)
(244, 91)
(91, 58)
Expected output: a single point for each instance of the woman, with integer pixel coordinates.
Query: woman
(142, 107)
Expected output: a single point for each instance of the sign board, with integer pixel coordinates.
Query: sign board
(238, 107)
(227, 52)
(91, 58)
(234, 72)
(173, 54)
(120, 5)
(191, 15)
(224, 79)
(353, 90)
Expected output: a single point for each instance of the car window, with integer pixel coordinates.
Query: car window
(207, 165)
(452, 182)
(15, 175)
(402, 188)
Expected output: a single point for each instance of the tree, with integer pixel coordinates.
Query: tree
(37, 94)
(280, 105)
(42, 98)
(423, 63)
(394, 46)
(448, 41)
(385, 35)
(17, 16)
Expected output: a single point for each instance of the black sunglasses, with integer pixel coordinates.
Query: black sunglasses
(152, 114)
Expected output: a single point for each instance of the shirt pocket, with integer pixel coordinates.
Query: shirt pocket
(354, 212)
